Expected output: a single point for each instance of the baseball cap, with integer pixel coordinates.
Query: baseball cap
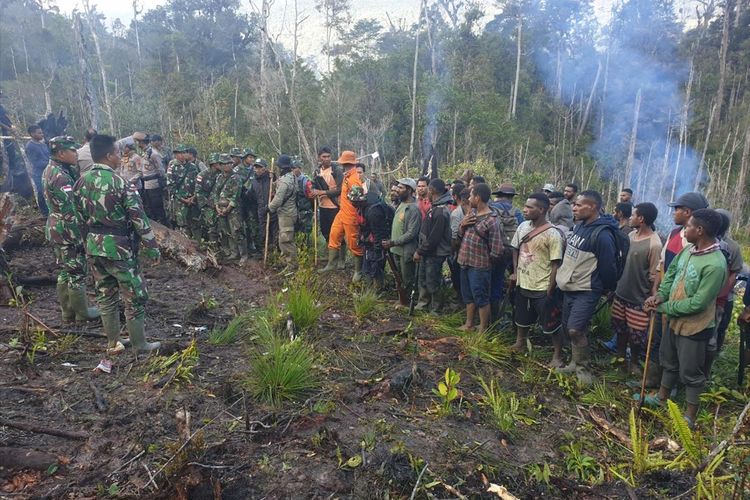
(406, 181)
(692, 200)
(548, 187)
(506, 189)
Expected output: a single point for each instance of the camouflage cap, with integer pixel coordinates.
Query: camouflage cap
(213, 158)
(248, 152)
(235, 152)
(180, 148)
(297, 163)
(63, 142)
(260, 162)
(225, 158)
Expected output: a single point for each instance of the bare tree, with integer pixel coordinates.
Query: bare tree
(90, 97)
(102, 69)
(414, 81)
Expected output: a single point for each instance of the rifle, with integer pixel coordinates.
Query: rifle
(506, 299)
(402, 298)
(414, 290)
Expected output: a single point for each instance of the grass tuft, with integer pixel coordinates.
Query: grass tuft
(479, 345)
(365, 303)
(280, 369)
(239, 327)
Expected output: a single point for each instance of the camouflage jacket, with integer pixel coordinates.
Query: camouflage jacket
(204, 187)
(184, 182)
(111, 211)
(229, 196)
(174, 173)
(63, 223)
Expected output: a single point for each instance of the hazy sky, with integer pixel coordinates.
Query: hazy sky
(311, 33)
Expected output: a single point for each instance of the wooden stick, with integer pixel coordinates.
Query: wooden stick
(651, 323)
(43, 430)
(41, 323)
(315, 230)
(268, 214)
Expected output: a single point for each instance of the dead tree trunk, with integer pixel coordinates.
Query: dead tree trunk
(633, 140)
(414, 84)
(102, 68)
(518, 66)
(728, 6)
(90, 98)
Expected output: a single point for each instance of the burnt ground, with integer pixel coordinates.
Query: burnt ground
(364, 433)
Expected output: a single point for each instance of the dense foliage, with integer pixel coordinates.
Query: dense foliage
(534, 87)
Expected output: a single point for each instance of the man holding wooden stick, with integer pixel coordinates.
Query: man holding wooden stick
(687, 296)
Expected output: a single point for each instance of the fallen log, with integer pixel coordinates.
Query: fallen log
(182, 249)
(21, 458)
(39, 429)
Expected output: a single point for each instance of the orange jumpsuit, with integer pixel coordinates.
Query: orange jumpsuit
(345, 224)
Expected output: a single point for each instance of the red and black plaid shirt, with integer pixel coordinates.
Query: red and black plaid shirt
(481, 243)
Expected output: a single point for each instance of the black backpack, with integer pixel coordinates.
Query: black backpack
(622, 246)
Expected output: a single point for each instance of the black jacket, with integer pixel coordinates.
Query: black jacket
(435, 233)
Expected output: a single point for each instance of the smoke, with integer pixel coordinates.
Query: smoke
(639, 74)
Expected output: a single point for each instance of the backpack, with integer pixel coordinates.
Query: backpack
(622, 247)
(508, 225)
(303, 203)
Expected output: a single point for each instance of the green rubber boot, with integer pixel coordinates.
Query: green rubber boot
(575, 359)
(138, 337)
(68, 315)
(357, 269)
(79, 304)
(333, 257)
(111, 326)
(424, 300)
(342, 258)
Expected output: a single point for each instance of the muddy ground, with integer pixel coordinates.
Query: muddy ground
(132, 442)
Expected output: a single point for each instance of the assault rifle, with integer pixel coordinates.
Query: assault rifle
(402, 298)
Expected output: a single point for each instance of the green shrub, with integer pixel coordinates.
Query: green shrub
(240, 326)
(365, 303)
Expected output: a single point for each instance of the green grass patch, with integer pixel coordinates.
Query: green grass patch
(280, 370)
(481, 346)
(365, 303)
(240, 326)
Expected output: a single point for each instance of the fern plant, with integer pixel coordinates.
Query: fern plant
(692, 452)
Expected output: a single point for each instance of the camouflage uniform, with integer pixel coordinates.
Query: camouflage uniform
(231, 229)
(174, 172)
(187, 215)
(204, 187)
(249, 208)
(62, 229)
(113, 214)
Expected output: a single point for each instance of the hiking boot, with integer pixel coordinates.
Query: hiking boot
(111, 327)
(138, 338)
(243, 260)
(333, 257)
(68, 315)
(424, 300)
(79, 304)
(357, 269)
(342, 258)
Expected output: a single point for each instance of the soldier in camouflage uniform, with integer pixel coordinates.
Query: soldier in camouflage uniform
(174, 172)
(63, 229)
(112, 213)
(231, 229)
(204, 189)
(249, 208)
(187, 213)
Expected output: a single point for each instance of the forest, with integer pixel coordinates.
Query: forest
(541, 91)
(273, 380)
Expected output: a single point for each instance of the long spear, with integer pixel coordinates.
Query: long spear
(268, 213)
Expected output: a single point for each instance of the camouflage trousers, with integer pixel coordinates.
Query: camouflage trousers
(73, 262)
(187, 218)
(232, 232)
(119, 278)
(251, 232)
(209, 223)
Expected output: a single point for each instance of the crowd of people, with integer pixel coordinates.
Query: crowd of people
(556, 261)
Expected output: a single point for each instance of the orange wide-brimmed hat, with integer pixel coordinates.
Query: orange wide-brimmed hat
(347, 157)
